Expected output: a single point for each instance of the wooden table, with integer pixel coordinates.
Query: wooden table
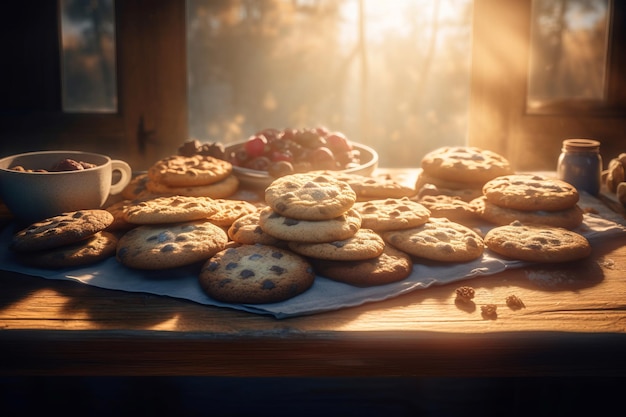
(573, 323)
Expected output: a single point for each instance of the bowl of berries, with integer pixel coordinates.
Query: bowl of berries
(272, 153)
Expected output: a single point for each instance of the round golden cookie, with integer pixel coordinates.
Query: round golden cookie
(451, 207)
(227, 211)
(530, 192)
(391, 214)
(370, 188)
(94, 249)
(569, 218)
(61, 230)
(438, 240)
(252, 274)
(365, 244)
(162, 246)
(220, 189)
(309, 196)
(247, 231)
(313, 231)
(187, 171)
(535, 243)
(169, 209)
(429, 184)
(390, 266)
(466, 194)
(465, 164)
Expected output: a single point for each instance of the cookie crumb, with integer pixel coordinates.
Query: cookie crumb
(465, 294)
(514, 302)
(489, 311)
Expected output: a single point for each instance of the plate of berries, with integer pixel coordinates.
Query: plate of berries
(272, 153)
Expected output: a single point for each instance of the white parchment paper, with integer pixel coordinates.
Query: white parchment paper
(324, 295)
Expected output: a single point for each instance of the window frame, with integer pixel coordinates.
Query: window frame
(499, 119)
(152, 117)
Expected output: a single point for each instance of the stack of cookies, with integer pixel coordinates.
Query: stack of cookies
(315, 215)
(171, 231)
(529, 199)
(195, 176)
(459, 171)
(68, 240)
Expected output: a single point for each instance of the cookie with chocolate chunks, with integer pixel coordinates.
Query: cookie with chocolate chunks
(95, 248)
(313, 231)
(365, 244)
(530, 192)
(253, 274)
(439, 239)
(60, 230)
(165, 246)
(391, 265)
(169, 209)
(391, 214)
(535, 243)
(466, 164)
(186, 171)
(247, 231)
(309, 196)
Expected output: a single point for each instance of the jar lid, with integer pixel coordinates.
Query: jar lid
(581, 145)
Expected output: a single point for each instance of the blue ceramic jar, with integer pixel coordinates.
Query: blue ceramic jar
(580, 164)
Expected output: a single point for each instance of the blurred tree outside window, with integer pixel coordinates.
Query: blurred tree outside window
(88, 64)
(569, 51)
(390, 74)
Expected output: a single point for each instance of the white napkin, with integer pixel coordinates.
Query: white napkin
(324, 295)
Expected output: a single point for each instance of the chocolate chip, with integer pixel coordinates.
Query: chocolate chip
(231, 265)
(225, 282)
(277, 269)
(168, 248)
(290, 222)
(212, 266)
(246, 273)
(281, 207)
(268, 285)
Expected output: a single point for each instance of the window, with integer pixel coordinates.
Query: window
(393, 75)
(568, 54)
(524, 102)
(402, 76)
(88, 76)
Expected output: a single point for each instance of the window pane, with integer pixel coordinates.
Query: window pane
(568, 51)
(392, 75)
(88, 56)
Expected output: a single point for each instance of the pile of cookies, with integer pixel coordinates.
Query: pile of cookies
(361, 243)
(67, 240)
(172, 231)
(195, 175)
(459, 171)
(362, 231)
(315, 215)
(529, 199)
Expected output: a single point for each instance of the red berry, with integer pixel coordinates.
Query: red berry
(255, 146)
(323, 158)
(338, 142)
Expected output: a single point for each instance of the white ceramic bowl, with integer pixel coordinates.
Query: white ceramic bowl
(33, 196)
(253, 178)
